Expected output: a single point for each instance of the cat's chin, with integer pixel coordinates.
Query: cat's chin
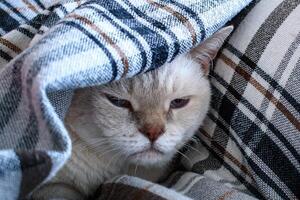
(150, 157)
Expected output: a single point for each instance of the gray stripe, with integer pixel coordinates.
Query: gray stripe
(31, 136)
(254, 51)
(173, 179)
(10, 101)
(277, 76)
(287, 57)
(189, 181)
(268, 29)
(204, 187)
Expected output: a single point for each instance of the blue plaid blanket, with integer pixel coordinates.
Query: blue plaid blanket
(50, 47)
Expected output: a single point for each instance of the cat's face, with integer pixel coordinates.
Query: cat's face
(148, 118)
(151, 116)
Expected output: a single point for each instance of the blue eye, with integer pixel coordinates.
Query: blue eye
(118, 102)
(179, 103)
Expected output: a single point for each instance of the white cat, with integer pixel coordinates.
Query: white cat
(135, 125)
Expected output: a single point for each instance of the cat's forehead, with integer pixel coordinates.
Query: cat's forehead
(181, 76)
(176, 77)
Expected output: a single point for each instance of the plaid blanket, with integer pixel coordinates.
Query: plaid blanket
(251, 137)
(48, 48)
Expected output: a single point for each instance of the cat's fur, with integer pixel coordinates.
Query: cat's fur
(107, 138)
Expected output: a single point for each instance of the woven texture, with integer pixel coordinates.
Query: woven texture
(251, 137)
(48, 48)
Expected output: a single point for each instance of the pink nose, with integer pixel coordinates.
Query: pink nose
(152, 131)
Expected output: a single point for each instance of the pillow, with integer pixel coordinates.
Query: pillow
(250, 139)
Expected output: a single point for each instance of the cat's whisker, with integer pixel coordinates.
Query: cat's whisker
(90, 141)
(195, 139)
(97, 143)
(108, 151)
(185, 156)
(118, 154)
(110, 136)
(193, 148)
(91, 147)
(95, 139)
(100, 147)
(212, 77)
(94, 148)
(136, 168)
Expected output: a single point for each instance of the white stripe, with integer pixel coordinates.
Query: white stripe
(18, 38)
(12, 13)
(7, 50)
(135, 34)
(284, 80)
(10, 132)
(185, 182)
(61, 14)
(120, 40)
(266, 170)
(29, 28)
(180, 30)
(259, 123)
(231, 148)
(2, 32)
(244, 33)
(175, 26)
(280, 42)
(67, 3)
(10, 180)
(88, 57)
(220, 14)
(167, 38)
(3, 62)
(24, 9)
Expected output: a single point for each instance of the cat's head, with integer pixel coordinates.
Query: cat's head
(148, 118)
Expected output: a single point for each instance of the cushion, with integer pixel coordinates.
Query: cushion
(250, 139)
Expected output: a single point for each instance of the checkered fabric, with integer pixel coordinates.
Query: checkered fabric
(251, 137)
(50, 47)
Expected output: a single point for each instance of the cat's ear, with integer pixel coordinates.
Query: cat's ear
(206, 51)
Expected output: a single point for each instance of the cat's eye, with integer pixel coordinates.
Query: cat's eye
(118, 102)
(179, 103)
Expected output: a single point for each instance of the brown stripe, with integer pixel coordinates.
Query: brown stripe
(10, 45)
(30, 6)
(262, 90)
(228, 155)
(139, 194)
(122, 55)
(226, 195)
(179, 16)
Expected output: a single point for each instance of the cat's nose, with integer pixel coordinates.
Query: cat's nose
(152, 131)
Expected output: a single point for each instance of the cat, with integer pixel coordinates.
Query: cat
(136, 124)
